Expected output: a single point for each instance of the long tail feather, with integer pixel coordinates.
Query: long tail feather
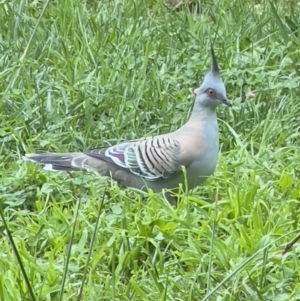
(57, 162)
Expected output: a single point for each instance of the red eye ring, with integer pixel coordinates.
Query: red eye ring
(210, 92)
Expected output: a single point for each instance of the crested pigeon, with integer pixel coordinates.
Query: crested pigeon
(155, 162)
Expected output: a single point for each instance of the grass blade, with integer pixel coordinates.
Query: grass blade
(91, 247)
(19, 260)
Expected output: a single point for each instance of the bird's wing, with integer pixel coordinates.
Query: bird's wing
(150, 158)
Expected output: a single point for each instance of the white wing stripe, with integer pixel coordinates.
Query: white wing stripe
(151, 158)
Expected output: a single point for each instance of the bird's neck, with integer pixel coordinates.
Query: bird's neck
(203, 120)
(201, 114)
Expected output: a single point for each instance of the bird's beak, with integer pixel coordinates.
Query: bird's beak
(226, 102)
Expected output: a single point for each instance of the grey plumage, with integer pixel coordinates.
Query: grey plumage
(155, 162)
(214, 64)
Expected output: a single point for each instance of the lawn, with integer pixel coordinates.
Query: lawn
(82, 74)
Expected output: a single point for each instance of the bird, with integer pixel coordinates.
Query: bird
(157, 162)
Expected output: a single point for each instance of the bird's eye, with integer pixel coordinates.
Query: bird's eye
(210, 92)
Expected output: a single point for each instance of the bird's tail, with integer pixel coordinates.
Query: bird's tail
(59, 161)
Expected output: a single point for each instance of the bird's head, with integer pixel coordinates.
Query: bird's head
(212, 91)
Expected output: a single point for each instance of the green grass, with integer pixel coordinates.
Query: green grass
(81, 74)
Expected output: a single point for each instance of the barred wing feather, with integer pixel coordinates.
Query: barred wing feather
(149, 158)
